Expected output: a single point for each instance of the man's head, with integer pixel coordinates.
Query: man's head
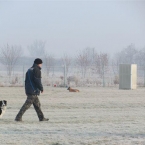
(38, 61)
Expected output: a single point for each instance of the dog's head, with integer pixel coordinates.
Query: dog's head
(3, 103)
(68, 88)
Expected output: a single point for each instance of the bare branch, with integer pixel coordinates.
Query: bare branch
(101, 63)
(49, 62)
(66, 61)
(83, 61)
(9, 56)
(37, 49)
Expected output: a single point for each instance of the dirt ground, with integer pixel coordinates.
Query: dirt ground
(94, 116)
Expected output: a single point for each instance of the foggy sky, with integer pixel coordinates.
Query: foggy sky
(70, 26)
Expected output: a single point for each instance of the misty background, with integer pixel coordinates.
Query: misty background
(70, 26)
(92, 36)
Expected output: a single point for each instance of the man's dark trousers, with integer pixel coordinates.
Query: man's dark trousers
(31, 99)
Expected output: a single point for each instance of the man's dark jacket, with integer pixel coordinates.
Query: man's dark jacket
(33, 84)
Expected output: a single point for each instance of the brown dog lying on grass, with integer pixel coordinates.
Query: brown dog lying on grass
(72, 90)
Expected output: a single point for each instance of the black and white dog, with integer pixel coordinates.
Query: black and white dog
(3, 106)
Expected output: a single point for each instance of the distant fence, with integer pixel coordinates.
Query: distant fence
(59, 76)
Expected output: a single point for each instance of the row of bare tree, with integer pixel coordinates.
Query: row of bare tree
(99, 62)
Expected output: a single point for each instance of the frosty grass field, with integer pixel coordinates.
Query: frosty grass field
(95, 116)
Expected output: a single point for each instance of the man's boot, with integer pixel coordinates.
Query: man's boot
(16, 119)
(44, 119)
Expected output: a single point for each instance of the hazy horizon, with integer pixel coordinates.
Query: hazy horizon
(70, 26)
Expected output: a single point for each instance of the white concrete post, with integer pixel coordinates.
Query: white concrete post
(128, 76)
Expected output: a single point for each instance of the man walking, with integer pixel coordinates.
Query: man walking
(33, 87)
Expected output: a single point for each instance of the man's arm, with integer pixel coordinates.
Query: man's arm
(37, 79)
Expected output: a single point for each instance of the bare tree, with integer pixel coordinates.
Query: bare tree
(140, 59)
(91, 54)
(37, 49)
(102, 63)
(83, 61)
(9, 56)
(128, 54)
(66, 60)
(116, 60)
(49, 62)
